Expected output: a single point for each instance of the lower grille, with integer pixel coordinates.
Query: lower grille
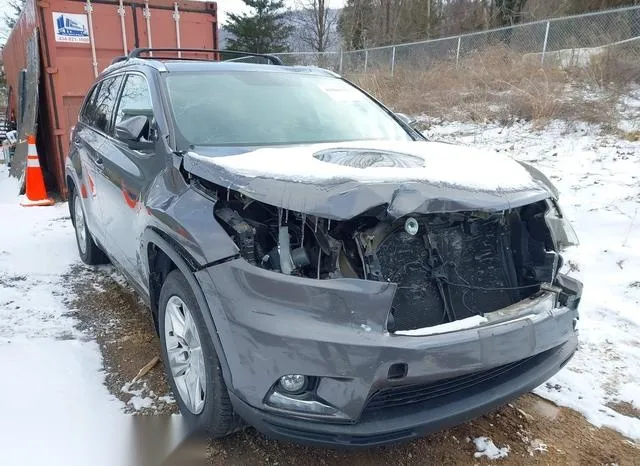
(394, 397)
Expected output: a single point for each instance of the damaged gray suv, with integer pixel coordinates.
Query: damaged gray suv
(315, 267)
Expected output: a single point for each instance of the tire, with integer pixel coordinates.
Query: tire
(89, 251)
(215, 416)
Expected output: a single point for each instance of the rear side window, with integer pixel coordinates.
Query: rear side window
(103, 105)
(88, 112)
(135, 100)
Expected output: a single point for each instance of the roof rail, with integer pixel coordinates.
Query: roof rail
(119, 58)
(135, 53)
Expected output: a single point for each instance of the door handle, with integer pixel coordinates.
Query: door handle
(99, 161)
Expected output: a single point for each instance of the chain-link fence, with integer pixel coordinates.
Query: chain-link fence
(568, 39)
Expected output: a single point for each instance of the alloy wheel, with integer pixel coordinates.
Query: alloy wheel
(184, 353)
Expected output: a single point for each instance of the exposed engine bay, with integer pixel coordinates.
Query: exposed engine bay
(447, 266)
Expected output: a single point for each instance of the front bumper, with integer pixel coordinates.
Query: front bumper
(271, 324)
(411, 422)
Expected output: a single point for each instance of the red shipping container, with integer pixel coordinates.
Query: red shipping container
(58, 47)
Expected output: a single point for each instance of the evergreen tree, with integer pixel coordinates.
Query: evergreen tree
(264, 30)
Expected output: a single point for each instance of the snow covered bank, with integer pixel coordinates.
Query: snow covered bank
(598, 176)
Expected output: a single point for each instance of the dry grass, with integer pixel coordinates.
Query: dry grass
(613, 68)
(631, 136)
(625, 408)
(499, 84)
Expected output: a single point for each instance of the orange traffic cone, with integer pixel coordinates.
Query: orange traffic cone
(36, 193)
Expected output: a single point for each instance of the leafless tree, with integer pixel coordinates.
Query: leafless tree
(368, 23)
(315, 24)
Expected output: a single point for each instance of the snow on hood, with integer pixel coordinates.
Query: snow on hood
(341, 180)
(441, 164)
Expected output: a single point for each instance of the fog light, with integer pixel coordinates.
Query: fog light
(294, 383)
(411, 226)
(311, 406)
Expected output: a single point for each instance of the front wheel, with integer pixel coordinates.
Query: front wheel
(191, 362)
(89, 251)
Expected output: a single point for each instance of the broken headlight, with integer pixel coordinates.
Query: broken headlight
(562, 233)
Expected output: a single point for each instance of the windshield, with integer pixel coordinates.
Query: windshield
(271, 108)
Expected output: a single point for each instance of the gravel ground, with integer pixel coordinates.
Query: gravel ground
(534, 430)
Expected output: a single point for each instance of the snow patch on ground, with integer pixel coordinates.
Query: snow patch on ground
(598, 176)
(127, 388)
(52, 385)
(537, 445)
(143, 398)
(139, 402)
(486, 447)
(534, 446)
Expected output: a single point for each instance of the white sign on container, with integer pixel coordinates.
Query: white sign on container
(70, 27)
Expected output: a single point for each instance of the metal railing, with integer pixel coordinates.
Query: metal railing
(556, 37)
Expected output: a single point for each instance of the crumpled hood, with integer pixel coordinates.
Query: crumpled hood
(342, 180)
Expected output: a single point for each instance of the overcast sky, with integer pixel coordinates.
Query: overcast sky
(4, 8)
(236, 6)
(224, 7)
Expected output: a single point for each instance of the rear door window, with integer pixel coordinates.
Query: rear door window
(104, 104)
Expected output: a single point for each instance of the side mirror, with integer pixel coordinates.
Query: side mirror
(406, 119)
(130, 130)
